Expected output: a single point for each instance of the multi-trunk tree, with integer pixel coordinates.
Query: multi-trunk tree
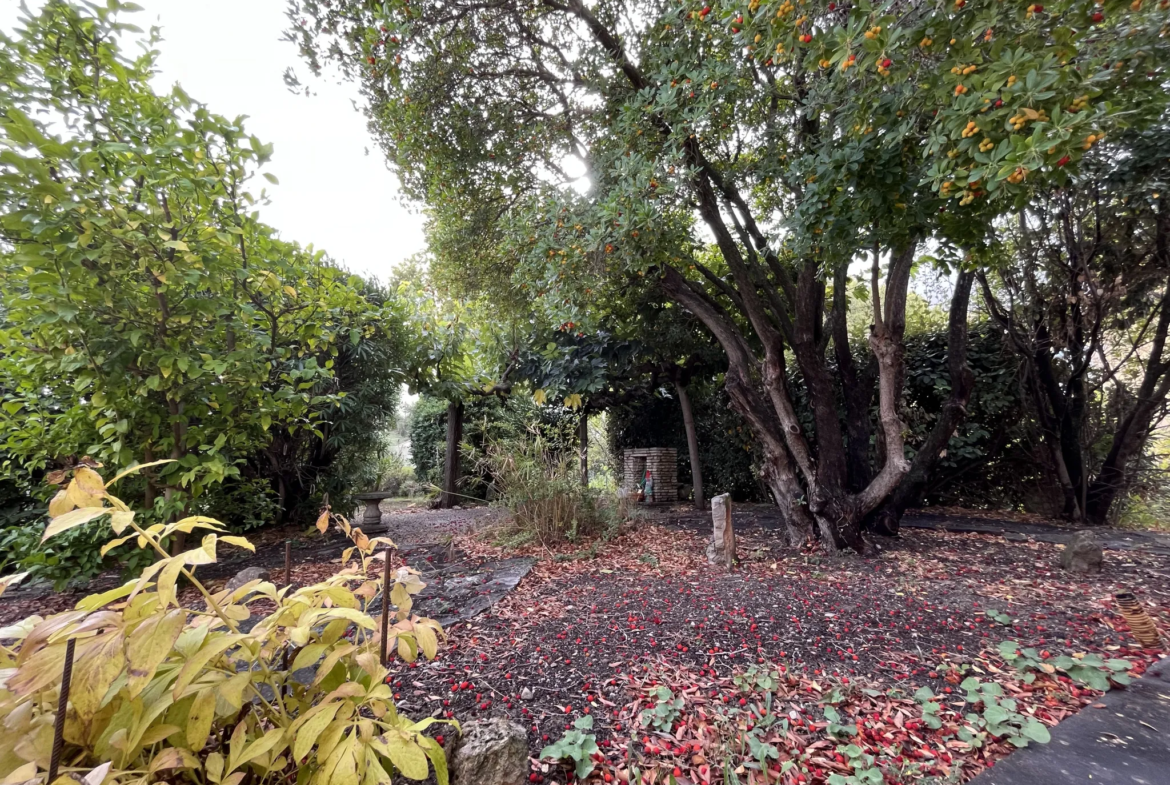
(607, 139)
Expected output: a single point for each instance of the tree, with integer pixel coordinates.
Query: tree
(798, 136)
(1085, 302)
(458, 350)
(148, 314)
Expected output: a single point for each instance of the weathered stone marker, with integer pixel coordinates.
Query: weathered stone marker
(490, 752)
(1083, 553)
(721, 551)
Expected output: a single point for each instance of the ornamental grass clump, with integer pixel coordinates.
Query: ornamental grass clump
(160, 691)
(539, 482)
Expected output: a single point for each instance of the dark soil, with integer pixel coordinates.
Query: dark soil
(575, 639)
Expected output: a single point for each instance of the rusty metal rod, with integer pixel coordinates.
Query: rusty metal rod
(385, 605)
(62, 705)
(288, 562)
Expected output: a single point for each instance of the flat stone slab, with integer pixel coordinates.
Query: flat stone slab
(1125, 743)
(459, 590)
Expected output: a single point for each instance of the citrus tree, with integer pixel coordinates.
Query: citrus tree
(146, 309)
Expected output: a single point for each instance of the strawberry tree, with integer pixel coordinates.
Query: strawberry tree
(739, 156)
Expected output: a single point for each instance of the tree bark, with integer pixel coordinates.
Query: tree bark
(447, 498)
(856, 388)
(692, 444)
(583, 448)
(886, 520)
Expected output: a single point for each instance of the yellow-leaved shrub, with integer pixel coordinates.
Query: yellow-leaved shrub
(163, 692)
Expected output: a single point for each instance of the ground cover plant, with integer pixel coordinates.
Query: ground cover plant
(169, 690)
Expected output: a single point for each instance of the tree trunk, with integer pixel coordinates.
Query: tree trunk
(1134, 429)
(692, 444)
(451, 460)
(886, 518)
(583, 448)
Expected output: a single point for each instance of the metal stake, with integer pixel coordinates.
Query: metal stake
(288, 562)
(62, 704)
(385, 605)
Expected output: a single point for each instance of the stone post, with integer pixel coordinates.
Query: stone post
(721, 551)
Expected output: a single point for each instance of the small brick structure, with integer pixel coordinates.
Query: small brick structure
(663, 465)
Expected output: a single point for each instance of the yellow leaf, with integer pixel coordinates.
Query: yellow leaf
(138, 468)
(401, 599)
(200, 718)
(573, 401)
(407, 648)
(98, 662)
(426, 641)
(72, 520)
(196, 662)
(11, 580)
(311, 729)
(232, 690)
(213, 765)
(173, 758)
(239, 542)
(404, 753)
(323, 521)
(166, 582)
(272, 741)
(540, 397)
(25, 773)
(120, 519)
(60, 504)
(308, 655)
(87, 488)
(331, 660)
(148, 646)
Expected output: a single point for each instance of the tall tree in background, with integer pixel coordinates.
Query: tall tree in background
(1085, 303)
(798, 136)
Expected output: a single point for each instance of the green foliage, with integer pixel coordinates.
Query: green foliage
(146, 310)
(486, 420)
(576, 746)
(161, 689)
(925, 697)
(864, 770)
(836, 727)
(757, 678)
(1091, 670)
(666, 709)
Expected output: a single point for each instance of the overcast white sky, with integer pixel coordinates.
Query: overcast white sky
(228, 54)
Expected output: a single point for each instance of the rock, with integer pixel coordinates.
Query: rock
(1082, 553)
(246, 575)
(526, 694)
(721, 551)
(490, 752)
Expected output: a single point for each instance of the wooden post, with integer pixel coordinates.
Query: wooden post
(62, 705)
(288, 562)
(583, 448)
(692, 444)
(385, 606)
(451, 459)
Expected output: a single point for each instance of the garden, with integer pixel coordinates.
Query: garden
(781, 398)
